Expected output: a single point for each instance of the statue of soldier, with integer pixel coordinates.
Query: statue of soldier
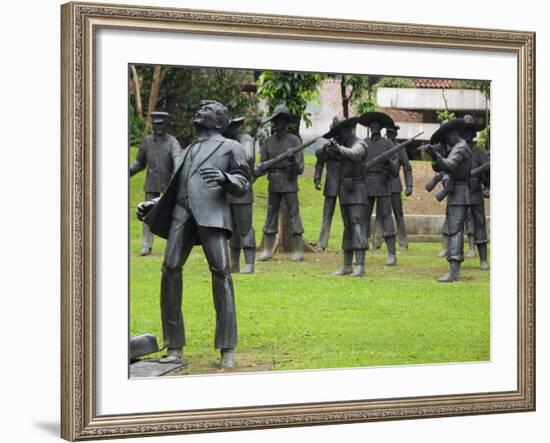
(456, 166)
(479, 188)
(158, 152)
(349, 152)
(194, 210)
(243, 236)
(379, 178)
(330, 191)
(397, 188)
(283, 183)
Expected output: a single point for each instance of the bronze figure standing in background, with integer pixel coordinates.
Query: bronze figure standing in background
(330, 191)
(158, 153)
(244, 237)
(283, 183)
(379, 178)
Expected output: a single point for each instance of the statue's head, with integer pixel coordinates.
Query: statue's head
(280, 123)
(391, 132)
(212, 115)
(452, 137)
(375, 127)
(159, 120)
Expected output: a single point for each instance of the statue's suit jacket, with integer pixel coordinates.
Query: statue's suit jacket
(208, 205)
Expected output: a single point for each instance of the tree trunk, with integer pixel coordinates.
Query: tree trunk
(137, 91)
(283, 240)
(158, 75)
(345, 98)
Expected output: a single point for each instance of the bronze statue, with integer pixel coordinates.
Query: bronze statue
(479, 188)
(456, 168)
(283, 182)
(330, 191)
(379, 178)
(396, 189)
(349, 152)
(244, 237)
(158, 153)
(194, 210)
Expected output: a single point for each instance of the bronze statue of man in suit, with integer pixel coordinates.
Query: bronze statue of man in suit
(158, 153)
(243, 236)
(194, 210)
(283, 183)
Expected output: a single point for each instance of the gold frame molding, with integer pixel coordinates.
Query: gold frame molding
(79, 23)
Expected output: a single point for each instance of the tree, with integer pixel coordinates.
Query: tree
(295, 90)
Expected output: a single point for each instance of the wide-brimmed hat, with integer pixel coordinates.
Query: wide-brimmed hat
(340, 122)
(159, 117)
(393, 128)
(142, 345)
(376, 116)
(281, 110)
(471, 124)
(457, 124)
(235, 122)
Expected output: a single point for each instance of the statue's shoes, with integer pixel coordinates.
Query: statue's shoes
(172, 356)
(442, 253)
(448, 278)
(392, 260)
(248, 269)
(484, 266)
(343, 270)
(298, 256)
(265, 256)
(359, 271)
(145, 251)
(471, 253)
(227, 360)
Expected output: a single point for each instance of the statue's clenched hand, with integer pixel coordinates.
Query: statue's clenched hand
(144, 208)
(213, 176)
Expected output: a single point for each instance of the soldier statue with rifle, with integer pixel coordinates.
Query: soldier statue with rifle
(379, 178)
(244, 237)
(456, 169)
(479, 188)
(283, 181)
(349, 152)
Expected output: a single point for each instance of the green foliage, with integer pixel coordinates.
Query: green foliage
(483, 138)
(183, 89)
(482, 85)
(294, 89)
(367, 102)
(137, 127)
(445, 115)
(395, 82)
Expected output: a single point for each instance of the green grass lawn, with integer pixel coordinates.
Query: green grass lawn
(298, 316)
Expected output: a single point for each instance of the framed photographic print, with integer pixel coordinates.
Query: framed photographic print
(283, 221)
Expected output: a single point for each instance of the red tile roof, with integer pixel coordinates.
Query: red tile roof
(433, 83)
(402, 115)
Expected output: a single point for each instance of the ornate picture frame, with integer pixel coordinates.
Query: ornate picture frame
(80, 22)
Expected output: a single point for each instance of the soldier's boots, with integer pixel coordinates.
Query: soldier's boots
(376, 241)
(234, 257)
(226, 358)
(359, 270)
(453, 274)
(145, 251)
(482, 249)
(174, 355)
(298, 247)
(249, 256)
(267, 253)
(346, 268)
(444, 246)
(471, 247)
(404, 246)
(392, 258)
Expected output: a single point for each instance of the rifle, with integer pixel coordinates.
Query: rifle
(432, 149)
(387, 154)
(430, 185)
(448, 187)
(262, 167)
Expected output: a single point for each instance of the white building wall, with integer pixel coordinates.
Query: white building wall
(431, 99)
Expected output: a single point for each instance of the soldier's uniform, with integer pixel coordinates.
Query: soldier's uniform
(330, 191)
(157, 153)
(243, 236)
(283, 184)
(396, 200)
(477, 186)
(457, 167)
(379, 181)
